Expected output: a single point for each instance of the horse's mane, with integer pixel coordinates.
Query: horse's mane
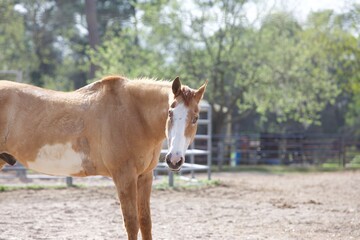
(111, 81)
(138, 81)
(151, 81)
(187, 94)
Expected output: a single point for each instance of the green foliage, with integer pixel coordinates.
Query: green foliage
(279, 69)
(342, 54)
(355, 162)
(121, 55)
(182, 183)
(294, 71)
(275, 68)
(14, 47)
(282, 169)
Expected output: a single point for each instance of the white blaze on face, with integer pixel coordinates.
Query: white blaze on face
(178, 142)
(57, 159)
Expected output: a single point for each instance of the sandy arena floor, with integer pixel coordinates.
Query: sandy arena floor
(244, 206)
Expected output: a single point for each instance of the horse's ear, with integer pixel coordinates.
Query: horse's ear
(176, 86)
(200, 92)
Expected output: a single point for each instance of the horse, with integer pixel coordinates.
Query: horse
(113, 127)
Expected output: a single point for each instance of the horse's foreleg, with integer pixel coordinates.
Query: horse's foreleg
(144, 191)
(127, 187)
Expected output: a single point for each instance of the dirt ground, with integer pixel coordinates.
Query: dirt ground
(244, 206)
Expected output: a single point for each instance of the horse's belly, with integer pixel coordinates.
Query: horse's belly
(58, 159)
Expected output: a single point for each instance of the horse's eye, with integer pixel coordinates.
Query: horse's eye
(173, 105)
(194, 120)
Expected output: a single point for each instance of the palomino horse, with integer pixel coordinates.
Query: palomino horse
(113, 127)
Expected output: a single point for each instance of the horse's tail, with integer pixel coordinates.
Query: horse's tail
(5, 106)
(6, 158)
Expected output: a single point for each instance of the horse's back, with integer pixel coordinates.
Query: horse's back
(6, 83)
(27, 111)
(43, 129)
(8, 86)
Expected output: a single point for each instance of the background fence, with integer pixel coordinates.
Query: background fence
(286, 149)
(267, 148)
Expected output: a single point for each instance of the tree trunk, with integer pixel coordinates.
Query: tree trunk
(218, 122)
(92, 24)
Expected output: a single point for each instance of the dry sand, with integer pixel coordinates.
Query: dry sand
(244, 206)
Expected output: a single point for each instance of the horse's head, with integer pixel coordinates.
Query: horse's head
(181, 123)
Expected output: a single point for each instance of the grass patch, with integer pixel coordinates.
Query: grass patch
(281, 169)
(4, 188)
(186, 184)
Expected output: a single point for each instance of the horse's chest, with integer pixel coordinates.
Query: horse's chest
(58, 159)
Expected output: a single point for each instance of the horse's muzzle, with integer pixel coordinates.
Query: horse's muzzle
(174, 162)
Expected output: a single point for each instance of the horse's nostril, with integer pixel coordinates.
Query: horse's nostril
(179, 163)
(167, 158)
(172, 165)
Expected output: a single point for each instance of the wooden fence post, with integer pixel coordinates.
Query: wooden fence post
(343, 152)
(220, 154)
(171, 179)
(69, 182)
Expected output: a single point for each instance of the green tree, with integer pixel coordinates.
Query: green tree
(132, 52)
(278, 69)
(296, 68)
(340, 41)
(274, 69)
(48, 39)
(283, 72)
(15, 54)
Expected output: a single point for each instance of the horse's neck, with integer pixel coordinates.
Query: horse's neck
(152, 102)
